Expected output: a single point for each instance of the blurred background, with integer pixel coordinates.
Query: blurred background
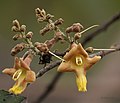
(103, 79)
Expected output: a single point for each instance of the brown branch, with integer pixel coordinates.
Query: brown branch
(102, 28)
(49, 88)
(47, 68)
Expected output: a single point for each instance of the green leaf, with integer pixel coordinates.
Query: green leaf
(6, 97)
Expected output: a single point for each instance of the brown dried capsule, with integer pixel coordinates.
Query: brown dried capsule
(18, 48)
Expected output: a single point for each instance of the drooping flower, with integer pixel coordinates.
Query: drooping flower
(21, 73)
(78, 61)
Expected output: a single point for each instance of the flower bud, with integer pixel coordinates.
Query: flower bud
(15, 29)
(16, 23)
(23, 28)
(29, 35)
(58, 22)
(17, 36)
(41, 47)
(18, 48)
(89, 49)
(76, 27)
(77, 36)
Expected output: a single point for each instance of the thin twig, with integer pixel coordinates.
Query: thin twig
(49, 88)
(47, 68)
(101, 28)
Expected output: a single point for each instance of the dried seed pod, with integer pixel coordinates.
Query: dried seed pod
(23, 28)
(29, 35)
(58, 22)
(18, 48)
(42, 47)
(17, 36)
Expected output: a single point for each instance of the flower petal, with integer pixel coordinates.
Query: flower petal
(91, 61)
(81, 82)
(18, 88)
(30, 76)
(24, 65)
(16, 63)
(9, 71)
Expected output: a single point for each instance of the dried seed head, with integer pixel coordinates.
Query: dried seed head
(58, 22)
(89, 49)
(18, 48)
(42, 47)
(29, 35)
(17, 36)
(16, 23)
(23, 28)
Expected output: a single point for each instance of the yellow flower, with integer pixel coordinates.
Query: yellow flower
(78, 61)
(21, 73)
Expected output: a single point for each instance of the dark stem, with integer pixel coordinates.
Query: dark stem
(50, 88)
(101, 28)
(90, 36)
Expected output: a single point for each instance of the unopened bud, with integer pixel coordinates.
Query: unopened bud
(41, 47)
(15, 29)
(49, 16)
(23, 28)
(18, 48)
(16, 23)
(90, 49)
(58, 22)
(17, 36)
(77, 36)
(29, 35)
(76, 27)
